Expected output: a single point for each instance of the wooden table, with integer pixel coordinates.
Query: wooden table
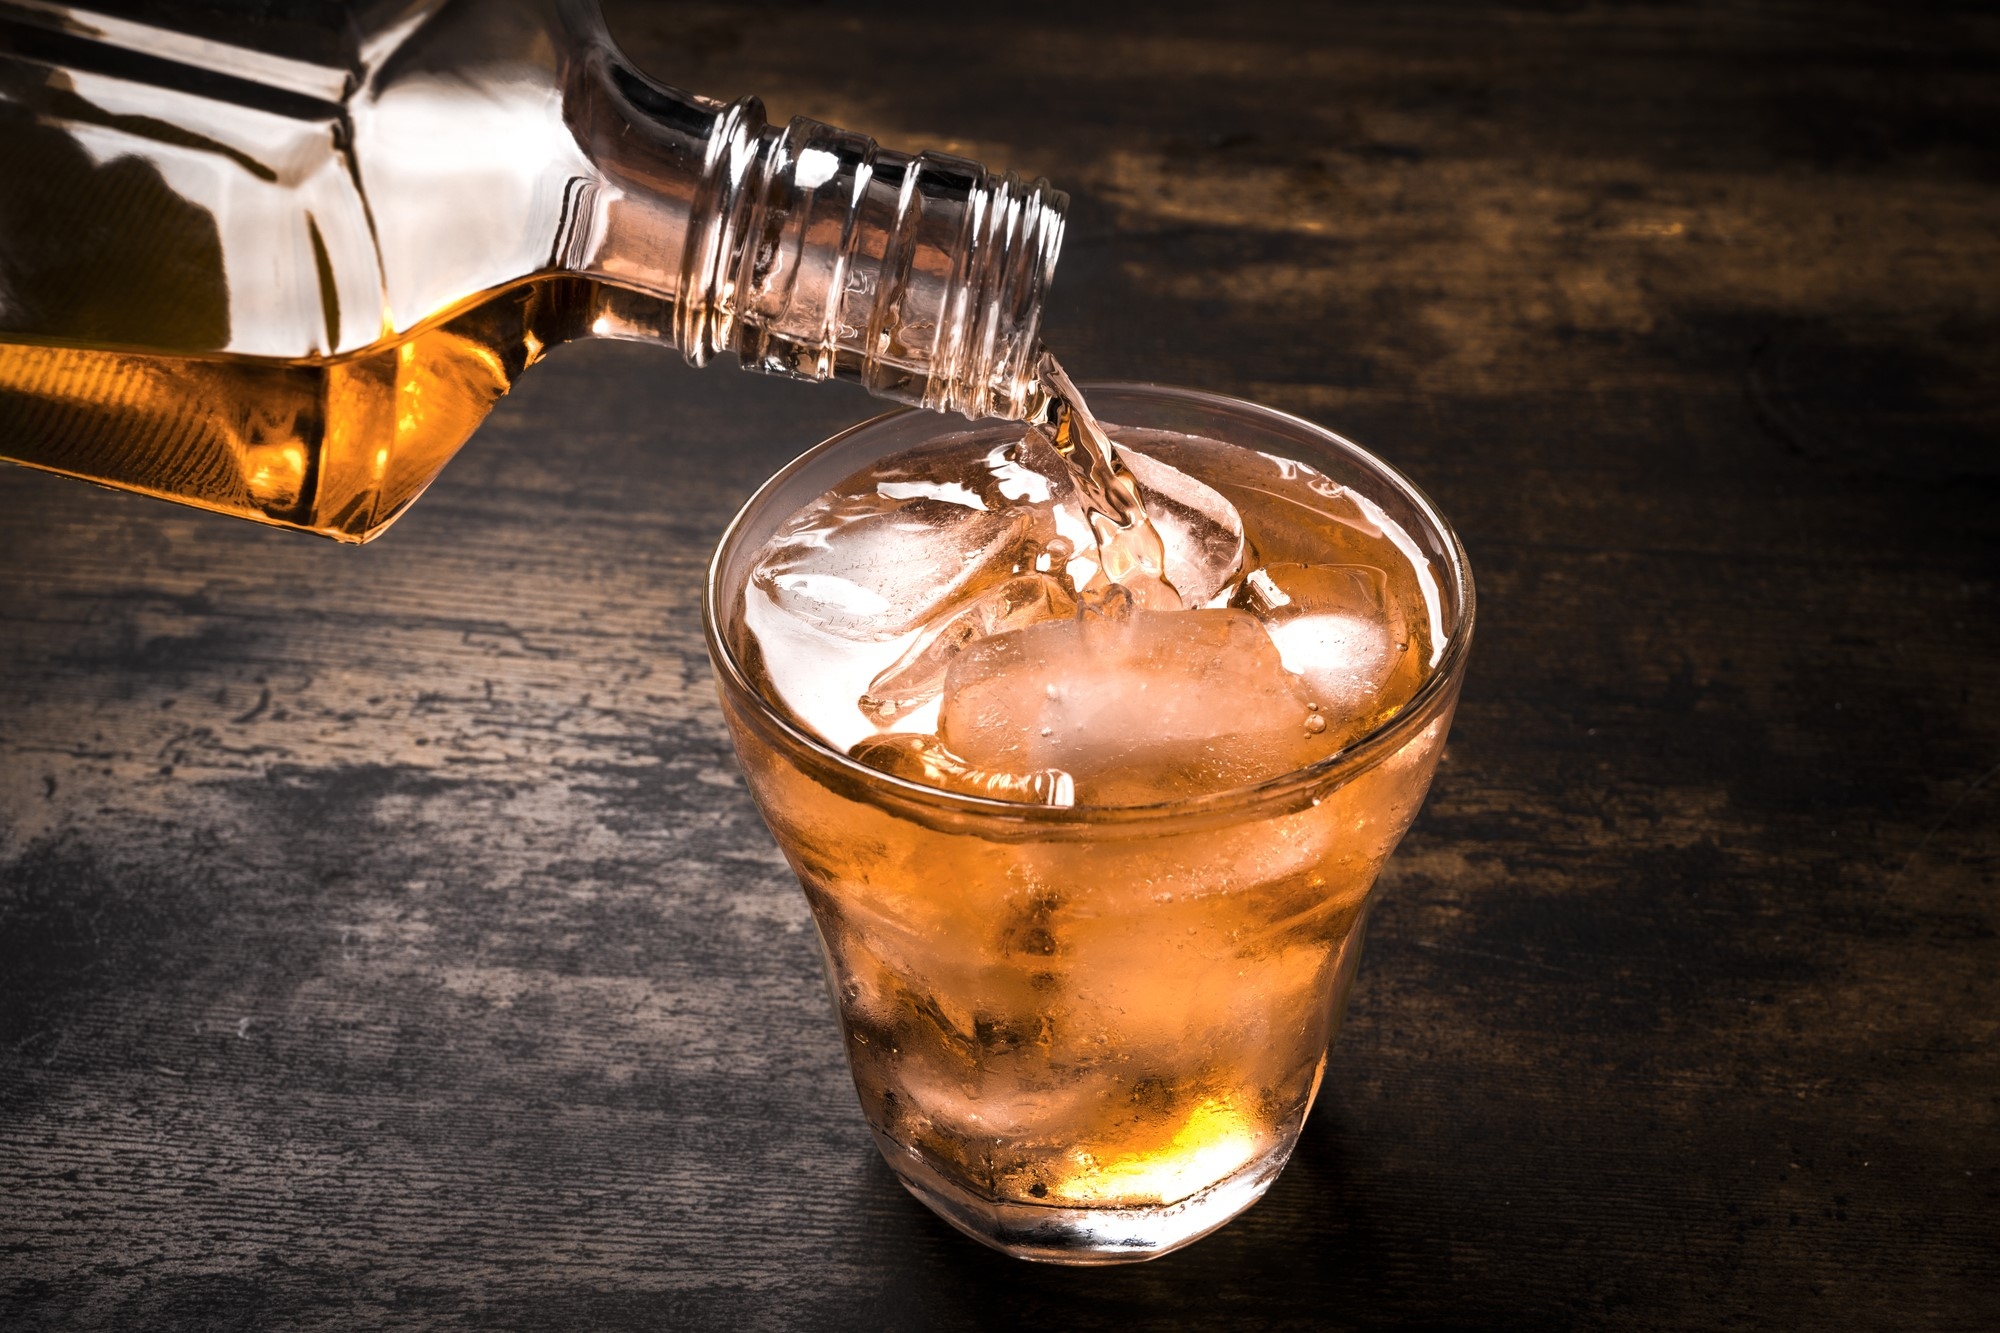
(386, 939)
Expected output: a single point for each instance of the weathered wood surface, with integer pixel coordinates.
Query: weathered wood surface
(386, 940)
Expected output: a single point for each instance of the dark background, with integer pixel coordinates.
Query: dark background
(386, 939)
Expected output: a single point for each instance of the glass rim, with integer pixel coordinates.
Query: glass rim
(1358, 756)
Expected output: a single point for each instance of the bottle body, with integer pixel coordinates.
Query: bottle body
(287, 282)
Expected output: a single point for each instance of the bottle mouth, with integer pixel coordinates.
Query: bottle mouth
(1148, 405)
(1008, 263)
(921, 278)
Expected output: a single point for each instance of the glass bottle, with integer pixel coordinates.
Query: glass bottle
(281, 263)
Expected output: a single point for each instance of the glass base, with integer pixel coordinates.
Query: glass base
(1051, 1234)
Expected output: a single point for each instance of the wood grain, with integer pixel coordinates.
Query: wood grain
(386, 939)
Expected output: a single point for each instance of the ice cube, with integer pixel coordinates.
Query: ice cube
(1140, 707)
(915, 678)
(1202, 531)
(861, 600)
(1343, 632)
(881, 563)
(925, 759)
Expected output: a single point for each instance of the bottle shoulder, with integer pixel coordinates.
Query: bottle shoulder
(465, 156)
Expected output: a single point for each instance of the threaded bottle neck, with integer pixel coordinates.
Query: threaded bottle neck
(805, 250)
(819, 255)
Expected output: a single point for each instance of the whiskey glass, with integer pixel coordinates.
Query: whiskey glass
(1089, 1035)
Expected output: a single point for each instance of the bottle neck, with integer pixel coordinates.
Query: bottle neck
(806, 250)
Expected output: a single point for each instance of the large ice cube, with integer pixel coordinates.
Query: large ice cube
(1143, 707)
(882, 563)
(1201, 530)
(872, 574)
(915, 678)
(1343, 631)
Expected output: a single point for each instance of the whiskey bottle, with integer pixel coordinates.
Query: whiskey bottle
(280, 260)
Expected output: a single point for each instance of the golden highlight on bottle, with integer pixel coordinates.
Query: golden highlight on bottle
(338, 446)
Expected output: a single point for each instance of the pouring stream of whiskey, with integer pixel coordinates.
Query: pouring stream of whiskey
(1129, 549)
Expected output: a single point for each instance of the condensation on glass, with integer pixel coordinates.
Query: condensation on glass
(281, 266)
